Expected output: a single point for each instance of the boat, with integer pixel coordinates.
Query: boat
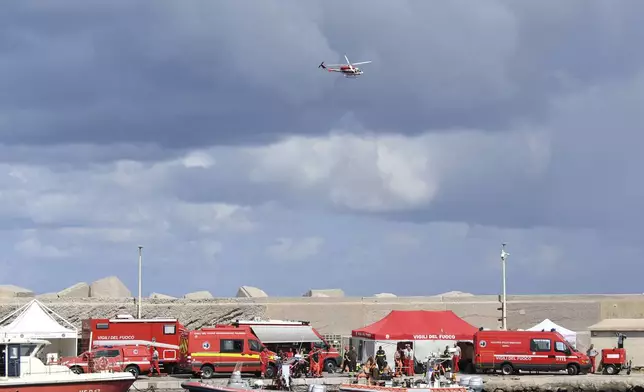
(235, 384)
(21, 370)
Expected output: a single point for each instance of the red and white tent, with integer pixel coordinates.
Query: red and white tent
(430, 331)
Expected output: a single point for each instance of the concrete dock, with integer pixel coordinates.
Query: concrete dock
(492, 383)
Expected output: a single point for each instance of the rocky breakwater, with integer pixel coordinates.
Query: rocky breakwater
(560, 383)
(108, 297)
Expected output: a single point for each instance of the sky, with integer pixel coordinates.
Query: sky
(204, 131)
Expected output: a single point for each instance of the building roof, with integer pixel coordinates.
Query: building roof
(618, 325)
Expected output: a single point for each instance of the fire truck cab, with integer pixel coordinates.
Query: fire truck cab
(283, 335)
(169, 336)
(219, 350)
(513, 351)
(133, 359)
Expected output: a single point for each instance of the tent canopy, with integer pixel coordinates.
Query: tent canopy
(547, 325)
(418, 325)
(36, 320)
(285, 333)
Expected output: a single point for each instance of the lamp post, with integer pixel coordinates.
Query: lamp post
(504, 311)
(138, 303)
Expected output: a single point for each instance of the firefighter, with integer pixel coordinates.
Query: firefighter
(263, 360)
(381, 358)
(353, 360)
(345, 360)
(314, 363)
(409, 359)
(592, 353)
(154, 362)
(456, 357)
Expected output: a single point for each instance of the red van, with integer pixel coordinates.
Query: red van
(511, 351)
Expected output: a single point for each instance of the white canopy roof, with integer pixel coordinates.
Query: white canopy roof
(285, 333)
(35, 320)
(547, 325)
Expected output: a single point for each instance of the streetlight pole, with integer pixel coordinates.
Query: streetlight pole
(138, 303)
(504, 311)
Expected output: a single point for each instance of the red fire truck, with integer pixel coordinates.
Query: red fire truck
(169, 336)
(279, 335)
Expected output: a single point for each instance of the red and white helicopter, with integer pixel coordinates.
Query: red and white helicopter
(348, 69)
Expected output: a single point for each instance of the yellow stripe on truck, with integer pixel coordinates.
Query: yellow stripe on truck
(224, 355)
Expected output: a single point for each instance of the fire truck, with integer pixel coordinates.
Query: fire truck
(279, 335)
(169, 336)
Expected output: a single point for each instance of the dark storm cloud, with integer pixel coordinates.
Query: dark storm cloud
(203, 73)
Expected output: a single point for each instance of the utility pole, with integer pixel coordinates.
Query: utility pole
(138, 303)
(504, 304)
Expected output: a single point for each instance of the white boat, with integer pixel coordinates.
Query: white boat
(21, 370)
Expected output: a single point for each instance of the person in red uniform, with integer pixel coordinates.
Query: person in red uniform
(263, 359)
(409, 360)
(456, 358)
(154, 361)
(592, 354)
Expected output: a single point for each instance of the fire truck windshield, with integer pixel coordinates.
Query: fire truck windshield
(254, 345)
(321, 344)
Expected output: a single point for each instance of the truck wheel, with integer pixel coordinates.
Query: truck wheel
(507, 369)
(610, 369)
(207, 371)
(330, 366)
(133, 369)
(77, 369)
(572, 369)
(270, 371)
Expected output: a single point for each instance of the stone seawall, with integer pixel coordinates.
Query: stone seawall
(193, 314)
(491, 383)
(341, 315)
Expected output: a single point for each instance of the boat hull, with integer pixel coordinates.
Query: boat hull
(196, 386)
(373, 388)
(68, 386)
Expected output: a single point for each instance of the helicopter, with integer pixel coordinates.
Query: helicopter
(348, 70)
